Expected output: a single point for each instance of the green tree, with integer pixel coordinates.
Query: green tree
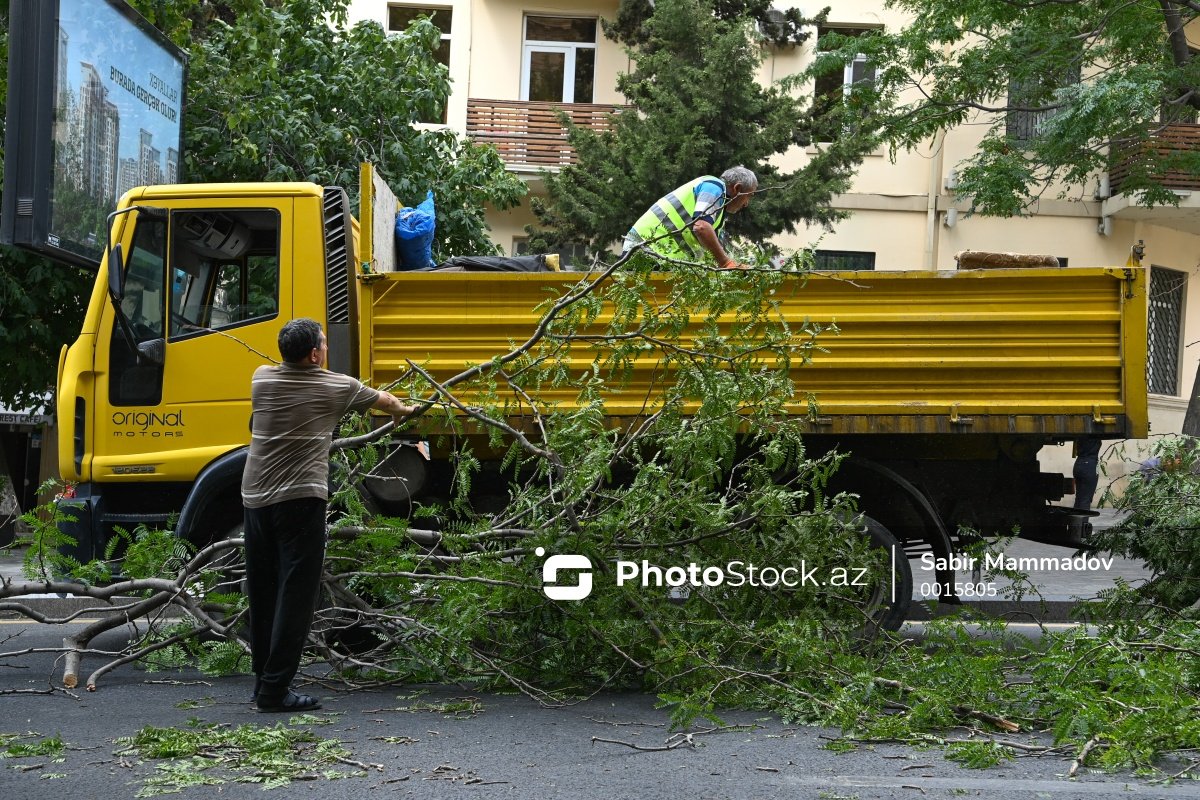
(697, 107)
(1062, 89)
(277, 90)
(285, 90)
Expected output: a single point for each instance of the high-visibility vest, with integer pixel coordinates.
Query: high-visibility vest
(671, 215)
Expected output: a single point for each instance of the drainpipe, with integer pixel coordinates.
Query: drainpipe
(931, 210)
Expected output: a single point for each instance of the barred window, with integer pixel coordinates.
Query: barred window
(1167, 288)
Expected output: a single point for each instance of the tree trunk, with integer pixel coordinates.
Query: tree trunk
(1191, 418)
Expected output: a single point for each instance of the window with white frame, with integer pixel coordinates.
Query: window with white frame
(833, 88)
(558, 60)
(401, 16)
(1165, 334)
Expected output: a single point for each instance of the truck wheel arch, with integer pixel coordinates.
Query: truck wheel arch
(214, 504)
(857, 475)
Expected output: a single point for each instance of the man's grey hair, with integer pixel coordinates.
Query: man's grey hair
(740, 174)
(298, 338)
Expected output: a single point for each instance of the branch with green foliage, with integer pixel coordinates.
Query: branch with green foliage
(1161, 524)
(1096, 81)
(711, 471)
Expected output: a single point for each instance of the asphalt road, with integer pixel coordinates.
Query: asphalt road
(508, 747)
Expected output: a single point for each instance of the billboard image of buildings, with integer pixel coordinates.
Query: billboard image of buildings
(118, 117)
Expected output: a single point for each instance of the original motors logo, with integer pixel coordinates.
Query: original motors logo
(151, 424)
(557, 591)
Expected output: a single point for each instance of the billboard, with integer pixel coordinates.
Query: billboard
(95, 108)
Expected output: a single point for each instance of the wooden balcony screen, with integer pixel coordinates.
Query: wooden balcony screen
(529, 133)
(1172, 138)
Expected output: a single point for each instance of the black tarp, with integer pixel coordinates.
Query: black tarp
(494, 264)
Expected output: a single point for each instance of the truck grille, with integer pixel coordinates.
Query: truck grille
(337, 254)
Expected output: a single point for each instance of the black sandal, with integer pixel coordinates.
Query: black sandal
(289, 702)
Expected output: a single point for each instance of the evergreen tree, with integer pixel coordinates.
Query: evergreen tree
(696, 107)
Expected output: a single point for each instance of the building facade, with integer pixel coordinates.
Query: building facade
(512, 61)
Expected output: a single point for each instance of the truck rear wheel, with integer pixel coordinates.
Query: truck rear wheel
(886, 602)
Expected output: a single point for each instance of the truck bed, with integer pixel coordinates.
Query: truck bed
(1050, 351)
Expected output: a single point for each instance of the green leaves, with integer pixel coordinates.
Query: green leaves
(1163, 517)
(207, 754)
(278, 94)
(1063, 90)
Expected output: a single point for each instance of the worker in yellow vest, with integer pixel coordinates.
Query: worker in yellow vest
(687, 222)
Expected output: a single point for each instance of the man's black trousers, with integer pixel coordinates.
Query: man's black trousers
(285, 550)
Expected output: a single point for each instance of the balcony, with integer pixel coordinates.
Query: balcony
(528, 134)
(1173, 138)
(1185, 217)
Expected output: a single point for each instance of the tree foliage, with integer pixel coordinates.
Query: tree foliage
(1095, 81)
(279, 90)
(696, 107)
(286, 91)
(1162, 498)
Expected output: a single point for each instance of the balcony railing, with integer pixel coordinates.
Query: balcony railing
(530, 134)
(1173, 138)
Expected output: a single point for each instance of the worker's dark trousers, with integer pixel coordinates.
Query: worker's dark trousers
(285, 549)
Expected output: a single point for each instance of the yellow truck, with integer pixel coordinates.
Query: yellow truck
(943, 386)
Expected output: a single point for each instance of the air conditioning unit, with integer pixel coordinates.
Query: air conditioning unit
(774, 26)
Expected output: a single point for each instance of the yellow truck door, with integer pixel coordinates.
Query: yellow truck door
(210, 281)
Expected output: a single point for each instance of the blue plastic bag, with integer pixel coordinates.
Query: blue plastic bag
(414, 234)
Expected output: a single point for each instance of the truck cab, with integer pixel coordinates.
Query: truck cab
(154, 392)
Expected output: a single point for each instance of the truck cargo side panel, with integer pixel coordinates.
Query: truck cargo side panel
(1002, 351)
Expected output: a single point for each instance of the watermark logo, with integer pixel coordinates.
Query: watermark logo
(556, 591)
(681, 580)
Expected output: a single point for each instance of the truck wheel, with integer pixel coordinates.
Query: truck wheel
(884, 612)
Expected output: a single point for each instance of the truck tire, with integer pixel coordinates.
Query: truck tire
(884, 612)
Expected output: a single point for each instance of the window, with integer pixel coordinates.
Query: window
(843, 259)
(558, 64)
(143, 300)
(1167, 288)
(1036, 93)
(832, 88)
(226, 270)
(400, 17)
(135, 381)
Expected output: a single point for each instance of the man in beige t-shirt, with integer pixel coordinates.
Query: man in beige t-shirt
(285, 490)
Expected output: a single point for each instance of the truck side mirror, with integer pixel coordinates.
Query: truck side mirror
(116, 273)
(154, 351)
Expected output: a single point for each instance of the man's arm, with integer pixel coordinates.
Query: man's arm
(709, 241)
(391, 404)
